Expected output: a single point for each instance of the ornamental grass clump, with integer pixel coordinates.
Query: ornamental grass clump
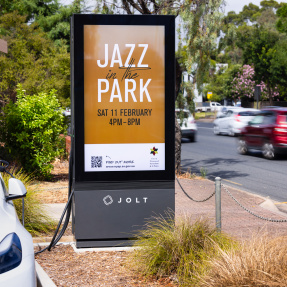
(178, 250)
(261, 261)
(36, 220)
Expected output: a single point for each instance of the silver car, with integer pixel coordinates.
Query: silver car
(187, 124)
(233, 121)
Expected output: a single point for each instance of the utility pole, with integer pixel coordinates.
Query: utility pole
(257, 94)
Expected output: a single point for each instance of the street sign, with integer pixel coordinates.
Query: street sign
(209, 95)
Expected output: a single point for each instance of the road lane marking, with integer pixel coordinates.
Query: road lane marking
(281, 202)
(228, 181)
(232, 181)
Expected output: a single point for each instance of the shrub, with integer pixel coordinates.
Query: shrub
(36, 219)
(30, 130)
(261, 261)
(179, 250)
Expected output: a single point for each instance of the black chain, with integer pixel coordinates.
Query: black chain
(191, 197)
(249, 211)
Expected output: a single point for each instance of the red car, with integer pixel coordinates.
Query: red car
(267, 132)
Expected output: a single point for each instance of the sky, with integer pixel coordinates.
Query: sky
(231, 5)
(237, 5)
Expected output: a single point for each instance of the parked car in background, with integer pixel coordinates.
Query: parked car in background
(17, 262)
(267, 132)
(224, 110)
(67, 112)
(208, 107)
(233, 120)
(187, 124)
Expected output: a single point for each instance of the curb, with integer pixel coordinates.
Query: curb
(43, 280)
(47, 240)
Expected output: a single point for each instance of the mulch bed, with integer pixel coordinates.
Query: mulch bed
(68, 268)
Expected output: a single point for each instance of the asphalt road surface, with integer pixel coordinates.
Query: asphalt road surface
(218, 156)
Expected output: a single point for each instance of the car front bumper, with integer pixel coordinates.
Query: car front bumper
(187, 133)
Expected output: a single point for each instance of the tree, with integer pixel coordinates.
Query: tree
(221, 83)
(281, 23)
(29, 8)
(202, 30)
(32, 60)
(244, 83)
(201, 19)
(57, 25)
(259, 51)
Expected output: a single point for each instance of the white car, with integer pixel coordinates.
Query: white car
(208, 107)
(187, 124)
(67, 112)
(17, 261)
(233, 120)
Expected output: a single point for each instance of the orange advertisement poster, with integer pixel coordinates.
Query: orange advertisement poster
(124, 84)
(124, 97)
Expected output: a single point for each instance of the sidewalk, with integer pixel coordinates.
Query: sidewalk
(235, 220)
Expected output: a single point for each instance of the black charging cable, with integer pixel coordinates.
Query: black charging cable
(67, 210)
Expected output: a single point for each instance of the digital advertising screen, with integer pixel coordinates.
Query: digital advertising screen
(124, 83)
(125, 105)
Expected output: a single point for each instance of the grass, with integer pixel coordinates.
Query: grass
(261, 261)
(37, 222)
(203, 115)
(188, 175)
(203, 172)
(181, 250)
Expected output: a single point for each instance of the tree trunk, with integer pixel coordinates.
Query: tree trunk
(177, 146)
(178, 73)
(270, 95)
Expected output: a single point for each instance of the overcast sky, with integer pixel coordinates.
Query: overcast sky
(237, 5)
(231, 5)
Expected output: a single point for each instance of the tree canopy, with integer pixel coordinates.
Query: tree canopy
(32, 60)
(257, 37)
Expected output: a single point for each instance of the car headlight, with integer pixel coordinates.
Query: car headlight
(10, 253)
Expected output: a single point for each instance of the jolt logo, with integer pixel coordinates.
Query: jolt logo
(108, 200)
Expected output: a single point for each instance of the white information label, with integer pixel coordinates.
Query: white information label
(123, 157)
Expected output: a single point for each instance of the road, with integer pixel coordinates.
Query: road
(217, 155)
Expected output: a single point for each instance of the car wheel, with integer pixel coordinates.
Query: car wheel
(230, 132)
(242, 147)
(268, 150)
(192, 138)
(216, 130)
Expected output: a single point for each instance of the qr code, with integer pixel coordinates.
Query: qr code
(96, 161)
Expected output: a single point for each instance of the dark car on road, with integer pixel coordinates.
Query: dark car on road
(267, 132)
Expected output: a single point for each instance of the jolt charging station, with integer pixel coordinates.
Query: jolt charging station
(123, 85)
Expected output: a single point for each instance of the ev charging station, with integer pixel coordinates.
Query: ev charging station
(123, 116)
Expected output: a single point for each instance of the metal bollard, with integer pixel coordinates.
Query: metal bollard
(218, 203)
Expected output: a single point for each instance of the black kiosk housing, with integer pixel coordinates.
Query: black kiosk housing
(109, 207)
